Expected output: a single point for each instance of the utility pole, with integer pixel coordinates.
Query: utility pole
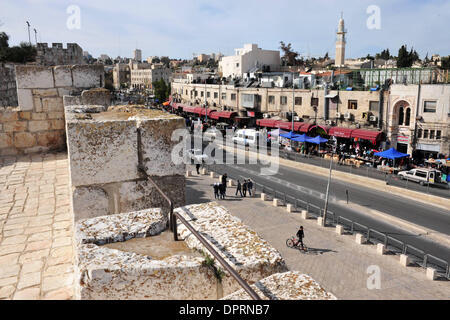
(29, 37)
(35, 35)
(325, 210)
(206, 108)
(293, 101)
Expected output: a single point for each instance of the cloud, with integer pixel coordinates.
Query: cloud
(179, 28)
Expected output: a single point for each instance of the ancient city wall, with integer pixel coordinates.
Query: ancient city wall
(57, 55)
(8, 92)
(37, 124)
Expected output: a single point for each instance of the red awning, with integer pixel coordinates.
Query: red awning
(189, 109)
(268, 123)
(324, 128)
(222, 114)
(372, 136)
(198, 110)
(285, 125)
(306, 127)
(341, 132)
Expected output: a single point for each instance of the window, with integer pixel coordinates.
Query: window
(224, 96)
(233, 97)
(425, 134)
(421, 174)
(352, 104)
(208, 94)
(186, 92)
(298, 101)
(429, 106)
(237, 65)
(271, 99)
(283, 100)
(314, 102)
(216, 95)
(408, 117)
(419, 133)
(401, 116)
(201, 94)
(431, 134)
(373, 106)
(438, 134)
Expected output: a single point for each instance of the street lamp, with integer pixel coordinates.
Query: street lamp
(35, 35)
(29, 37)
(325, 210)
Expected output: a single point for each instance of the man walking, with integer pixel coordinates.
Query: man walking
(197, 166)
(244, 188)
(216, 190)
(224, 183)
(239, 188)
(222, 191)
(300, 236)
(250, 187)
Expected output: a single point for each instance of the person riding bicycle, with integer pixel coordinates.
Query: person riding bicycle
(300, 236)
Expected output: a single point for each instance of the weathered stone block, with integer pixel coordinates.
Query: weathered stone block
(28, 77)
(36, 125)
(305, 214)
(6, 116)
(25, 99)
(38, 116)
(54, 104)
(405, 260)
(339, 230)
(431, 274)
(359, 239)
(57, 124)
(71, 100)
(381, 249)
(24, 140)
(156, 145)
(98, 96)
(25, 115)
(264, 197)
(56, 115)
(6, 140)
(102, 152)
(289, 208)
(51, 139)
(45, 93)
(140, 195)
(320, 221)
(37, 102)
(276, 202)
(90, 202)
(88, 76)
(15, 126)
(63, 76)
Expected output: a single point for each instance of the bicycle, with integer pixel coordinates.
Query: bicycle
(290, 243)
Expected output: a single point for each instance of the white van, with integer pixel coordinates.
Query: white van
(422, 176)
(247, 137)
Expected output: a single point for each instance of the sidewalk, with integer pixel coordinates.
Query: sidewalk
(336, 262)
(36, 255)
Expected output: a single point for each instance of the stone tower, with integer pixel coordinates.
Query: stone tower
(340, 44)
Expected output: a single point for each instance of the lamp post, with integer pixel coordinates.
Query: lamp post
(206, 108)
(325, 210)
(35, 35)
(29, 37)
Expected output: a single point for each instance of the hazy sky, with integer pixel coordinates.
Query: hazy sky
(183, 27)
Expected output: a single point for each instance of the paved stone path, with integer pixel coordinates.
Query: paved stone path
(36, 253)
(336, 262)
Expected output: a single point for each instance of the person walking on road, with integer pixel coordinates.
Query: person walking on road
(222, 191)
(216, 191)
(300, 236)
(244, 188)
(239, 188)
(250, 187)
(197, 166)
(224, 183)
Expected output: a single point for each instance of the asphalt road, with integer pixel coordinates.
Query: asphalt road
(310, 187)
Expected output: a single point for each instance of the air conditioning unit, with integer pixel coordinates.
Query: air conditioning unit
(266, 116)
(296, 118)
(329, 123)
(338, 115)
(373, 119)
(347, 116)
(358, 126)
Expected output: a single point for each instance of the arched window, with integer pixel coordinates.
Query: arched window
(401, 116)
(408, 117)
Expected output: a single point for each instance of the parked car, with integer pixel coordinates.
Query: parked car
(422, 176)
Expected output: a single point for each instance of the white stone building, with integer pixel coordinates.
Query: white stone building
(144, 78)
(248, 58)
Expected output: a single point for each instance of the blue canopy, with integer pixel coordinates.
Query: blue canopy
(302, 138)
(391, 154)
(317, 140)
(291, 135)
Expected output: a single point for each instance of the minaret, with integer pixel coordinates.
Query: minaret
(340, 43)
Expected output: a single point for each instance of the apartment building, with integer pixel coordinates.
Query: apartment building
(144, 78)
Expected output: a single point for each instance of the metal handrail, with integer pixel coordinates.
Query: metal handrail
(216, 255)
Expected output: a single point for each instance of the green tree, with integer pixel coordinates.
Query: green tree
(406, 59)
(445, 63)
(290, 57)
(161, 90)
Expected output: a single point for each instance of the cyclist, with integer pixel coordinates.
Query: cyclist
(300, 236)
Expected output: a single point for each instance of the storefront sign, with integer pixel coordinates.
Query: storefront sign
(429, 147)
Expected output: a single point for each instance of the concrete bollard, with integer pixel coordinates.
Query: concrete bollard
(230, 183)
(381, 249)
(220, 179)
(289, 208)
(319, 221)
(404, 260)
(340, 230)
(276, 202)
(188, 174)
(203, 171)
(359, 239)
(212, 175)
(431, 274)
(263, 197)
(305, 215)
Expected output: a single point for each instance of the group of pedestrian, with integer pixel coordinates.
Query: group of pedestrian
(242, 188)
(220, 189)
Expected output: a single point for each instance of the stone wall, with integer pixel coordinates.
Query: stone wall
(57, 55)
(37, 124)
(107, 145)
(8, 92)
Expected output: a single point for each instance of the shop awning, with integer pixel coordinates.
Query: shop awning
(222, 114)
(189, 109)
(306, 127)
(372, 136)
(203, 112)
(268, 123)
(341, 132)
(324, 128)
(198, 110)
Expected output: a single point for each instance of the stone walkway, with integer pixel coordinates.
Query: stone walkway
(36, 254)
(336, 262)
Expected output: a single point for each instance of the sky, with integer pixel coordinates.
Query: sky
(180, 28)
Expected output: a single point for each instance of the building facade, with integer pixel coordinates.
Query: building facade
(121, 75)
(247, 58)
(144, 78)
